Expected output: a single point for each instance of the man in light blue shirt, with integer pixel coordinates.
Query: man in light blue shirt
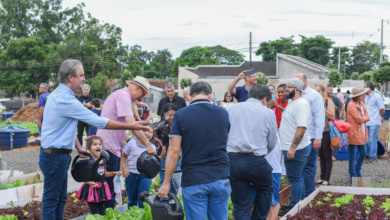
(376, 108)
(316, 103)
(253, 134)
(62, 112)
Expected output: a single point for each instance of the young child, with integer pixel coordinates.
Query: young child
(95, 109)
(135, 182)
(96, 193)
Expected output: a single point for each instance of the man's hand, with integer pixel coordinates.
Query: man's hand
(87, 105)
(163, 191)
(82, 151)
(39, 124)
(139, 126)
(317, 144)
(291, 153)
(150, 149)
(241, 75)
(125, 172)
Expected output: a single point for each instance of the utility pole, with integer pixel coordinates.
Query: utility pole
(339, 61)
(381, 54)
(345, 65)
(250, 49)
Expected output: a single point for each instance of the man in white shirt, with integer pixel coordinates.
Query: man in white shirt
(295, 140)
(253, 134)
(376, 109)
(316, 129)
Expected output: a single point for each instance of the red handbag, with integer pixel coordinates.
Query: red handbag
(342, 126)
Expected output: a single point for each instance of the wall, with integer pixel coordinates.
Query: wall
(155, 98)
(185, 74)
(220, 85)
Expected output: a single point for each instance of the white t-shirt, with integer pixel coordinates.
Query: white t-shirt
(274, 158)
(225, 104)
(133, 151)
(296, 114)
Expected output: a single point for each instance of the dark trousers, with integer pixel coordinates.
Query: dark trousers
(243, 171)
(55, 170)
(97, 208)
(113, 164)
(80, 130)
(325, 154)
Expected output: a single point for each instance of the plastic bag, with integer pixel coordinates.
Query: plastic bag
(338, 139)
(118, 187)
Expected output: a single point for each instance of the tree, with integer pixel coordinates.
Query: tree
(365, 57)
(98, 85)
(345, 59)
(185, 83)
(162, 63)
(315, 49)
(125, 75)
(21, 70)
(193, 57)
(366, 76)
(261, 78)
(226, 56)
(269, 49)
(355, 76)
(381, 76)
(335, 78)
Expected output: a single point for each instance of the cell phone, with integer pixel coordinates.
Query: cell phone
(250, 72)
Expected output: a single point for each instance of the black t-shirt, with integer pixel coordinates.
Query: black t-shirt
(179, 102)
(84, 99)
(203, 129)
(338, 105)
(101, 170)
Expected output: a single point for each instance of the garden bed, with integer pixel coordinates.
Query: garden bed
(331, 202)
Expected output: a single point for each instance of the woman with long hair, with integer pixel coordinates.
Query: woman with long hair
(228, 100)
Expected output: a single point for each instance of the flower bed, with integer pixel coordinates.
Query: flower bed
(343, 203)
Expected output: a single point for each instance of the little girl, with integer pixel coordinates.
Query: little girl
(135, 182)
(97, 192)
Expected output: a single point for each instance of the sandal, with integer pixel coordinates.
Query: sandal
(325, 184)
(319, 182)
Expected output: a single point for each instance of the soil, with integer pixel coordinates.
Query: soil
(32, 211)
(28, 113)
(322, 211)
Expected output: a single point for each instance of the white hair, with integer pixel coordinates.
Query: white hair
(86, 85)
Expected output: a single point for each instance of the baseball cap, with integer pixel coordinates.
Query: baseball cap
(297, 83)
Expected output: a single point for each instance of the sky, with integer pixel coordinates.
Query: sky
(177, 25)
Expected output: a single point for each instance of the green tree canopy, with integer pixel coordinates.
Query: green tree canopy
(261, 78)
(365, 57)
(315, 49)
(366, 76)
(355, 76)
(269, 49)
(335, 78)
(226, 56)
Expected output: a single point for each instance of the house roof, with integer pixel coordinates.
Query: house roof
(304, 62)
(266, 67)
(160, 84)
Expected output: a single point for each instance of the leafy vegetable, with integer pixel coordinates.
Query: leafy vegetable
(368, 201)
(386, 205)
(329, 195)
(8, 217)
(326, 199)
(344, 200)
(319, 203)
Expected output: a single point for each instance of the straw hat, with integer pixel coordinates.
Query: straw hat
(143, 82)
(358, 90)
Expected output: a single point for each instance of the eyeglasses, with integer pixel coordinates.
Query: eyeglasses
(228, 96)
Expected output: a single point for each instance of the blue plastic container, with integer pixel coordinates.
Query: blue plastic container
(7, 115)
(19, 136)
(386, 116)
(343, 154)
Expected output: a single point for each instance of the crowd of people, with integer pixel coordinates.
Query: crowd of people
(239, 148)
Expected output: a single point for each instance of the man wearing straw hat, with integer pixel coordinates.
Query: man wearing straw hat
(118, 107)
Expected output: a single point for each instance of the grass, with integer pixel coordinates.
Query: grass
(385, 184)
(29, 125)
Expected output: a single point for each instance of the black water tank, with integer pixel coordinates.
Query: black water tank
(19, 134)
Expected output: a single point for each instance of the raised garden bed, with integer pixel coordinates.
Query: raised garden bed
(332, 202)
(285, 190)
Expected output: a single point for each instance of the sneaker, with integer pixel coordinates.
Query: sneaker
(283, 207)
(285, 211)
(370, 160)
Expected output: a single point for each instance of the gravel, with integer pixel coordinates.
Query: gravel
(26, 160)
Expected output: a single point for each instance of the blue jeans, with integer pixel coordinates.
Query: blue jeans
(294, 172)
(245, 170)
(310, 169)
(207, 201)
(372, 143)
(135, 184)
(113, 164)
(176, 178)
(55, 170)
(355, 168)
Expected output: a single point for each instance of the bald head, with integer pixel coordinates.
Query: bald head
(302, 77)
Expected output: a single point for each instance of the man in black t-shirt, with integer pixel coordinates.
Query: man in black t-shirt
(85, 99)
(179, 102)
(339, 105)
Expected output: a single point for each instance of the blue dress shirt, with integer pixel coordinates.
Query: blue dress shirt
(62, 112)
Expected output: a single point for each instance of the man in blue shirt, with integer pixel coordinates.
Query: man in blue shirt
(42, 101)
(241, 92)
(376, 109)
(62, 112)
(200, 132)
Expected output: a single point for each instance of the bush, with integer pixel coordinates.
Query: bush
(355, 76)
(261, 78)
(185, 83)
